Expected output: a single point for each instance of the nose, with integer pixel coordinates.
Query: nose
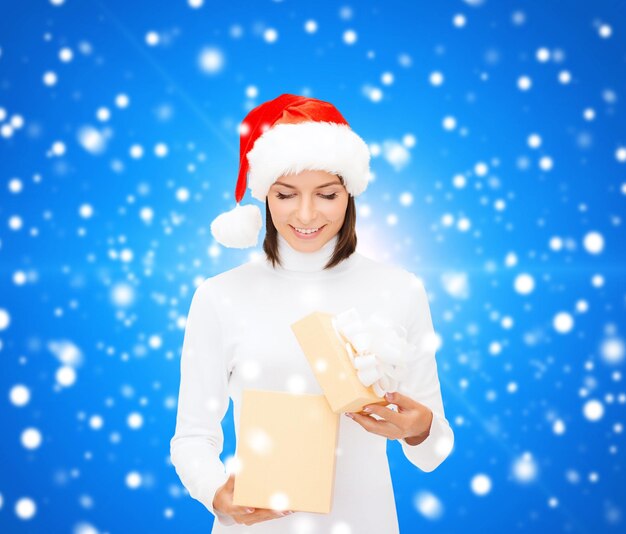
(306, 210)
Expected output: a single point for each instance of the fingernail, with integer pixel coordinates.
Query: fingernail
(367, 409)
(389, 396)
(350, 415)
(249, 510)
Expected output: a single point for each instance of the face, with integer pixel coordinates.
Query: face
(308, 200)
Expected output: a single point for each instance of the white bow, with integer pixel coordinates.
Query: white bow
(378, 349)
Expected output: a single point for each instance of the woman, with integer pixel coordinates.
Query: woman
(307, 165)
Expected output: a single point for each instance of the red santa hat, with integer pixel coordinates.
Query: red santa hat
(286, 136)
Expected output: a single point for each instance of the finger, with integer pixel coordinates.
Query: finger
(403, 402)
(263, 514)
(382, 428)
(230, 483)
(386, 413)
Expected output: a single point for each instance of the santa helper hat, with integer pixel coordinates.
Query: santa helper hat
(286, 136)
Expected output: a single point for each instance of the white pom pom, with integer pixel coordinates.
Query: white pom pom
(239, 227)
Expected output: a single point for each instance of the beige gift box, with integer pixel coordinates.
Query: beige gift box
(328, 356)
(285, 453)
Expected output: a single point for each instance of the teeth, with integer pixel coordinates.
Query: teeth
(307, 231)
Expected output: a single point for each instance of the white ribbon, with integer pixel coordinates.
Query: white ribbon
(378, 349)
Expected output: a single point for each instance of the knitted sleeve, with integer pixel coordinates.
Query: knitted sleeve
(422, 384)
(198, 440)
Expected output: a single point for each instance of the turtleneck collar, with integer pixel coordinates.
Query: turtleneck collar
(305, 263)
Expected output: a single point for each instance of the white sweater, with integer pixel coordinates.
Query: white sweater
(238, 336)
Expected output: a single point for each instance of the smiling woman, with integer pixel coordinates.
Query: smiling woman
(308, 209)
(307, 165)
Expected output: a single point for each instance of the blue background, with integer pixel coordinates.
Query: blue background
(83, 245)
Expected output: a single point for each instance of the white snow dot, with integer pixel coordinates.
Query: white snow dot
(49, 78)
(534, 140)
(136, 151)
(310, 26)
(593, 410)
(459, 181)
(160, 150)
(152, 38)
(19, 395)
(66, 54)
(565, 77)
(58, 148)
(481, 168)
(542, 54)
(91, 139)
(96, 422)
(122, 101)
(428, 505)
(5, 319)
(182, 194)
(481, 484)
(15, 222)
(593, 242)
(524, 284)
(31, 438)
(270, 35)
(17, 121)
(589, 114)
(525, 468)
(546, 163)
(15, 185)
(85, 211)
(211, 60)
(122, 294)
(620, 154)
(558, 427)
(386, 78)
(406, 199)
(436, 78)
(146, 214)
(524, 83)
(556, 243)
(563, 322)
(605, 31)
(252, 91)
(135, 420)
(103, 114)
(459, 20)
(612, 350)
(155, 342)
(65, 376)
(449, 123)
(597, 280)
(349, 37)
(133, 480)
(25, 508)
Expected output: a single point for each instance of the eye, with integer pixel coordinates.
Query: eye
(327, 197)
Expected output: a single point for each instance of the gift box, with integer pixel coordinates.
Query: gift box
(285, 454)
(331, 356)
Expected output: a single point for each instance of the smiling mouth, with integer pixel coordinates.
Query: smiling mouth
(308, 230)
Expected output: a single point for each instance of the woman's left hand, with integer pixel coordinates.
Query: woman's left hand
(412, 420)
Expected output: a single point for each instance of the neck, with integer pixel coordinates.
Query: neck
(295, 260)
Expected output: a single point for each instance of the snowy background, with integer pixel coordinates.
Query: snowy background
(499, 160)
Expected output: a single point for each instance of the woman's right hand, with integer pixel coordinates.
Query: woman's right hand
(223, 503)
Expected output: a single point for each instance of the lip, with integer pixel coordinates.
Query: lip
(309, 236)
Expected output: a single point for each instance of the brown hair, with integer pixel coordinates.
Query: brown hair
(346, 242)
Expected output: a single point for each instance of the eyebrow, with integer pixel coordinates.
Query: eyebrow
(318, 187)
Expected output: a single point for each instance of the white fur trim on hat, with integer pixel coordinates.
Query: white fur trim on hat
(239, 227)
(291, 148)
